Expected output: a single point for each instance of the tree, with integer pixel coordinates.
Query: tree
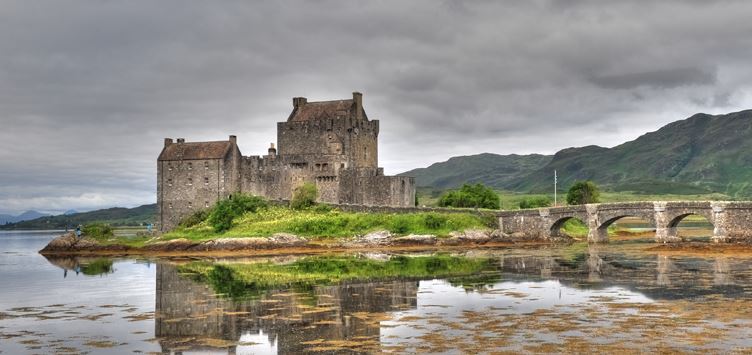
(583, 192)
(477, 195)
(304, 196)
(224, 212)
(535, 202)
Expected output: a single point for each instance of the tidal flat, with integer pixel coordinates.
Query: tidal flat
(623, 297)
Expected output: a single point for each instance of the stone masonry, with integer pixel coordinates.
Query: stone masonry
(732, 221)
(330, 143)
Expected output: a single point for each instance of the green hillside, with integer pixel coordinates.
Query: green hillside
(699, 155)
(491, 169)
(116, 216)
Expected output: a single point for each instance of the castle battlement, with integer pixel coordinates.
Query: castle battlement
(330, 143)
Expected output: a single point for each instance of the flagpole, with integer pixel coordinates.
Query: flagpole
(555, 182)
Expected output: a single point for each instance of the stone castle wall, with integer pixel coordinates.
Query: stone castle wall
(331, 144)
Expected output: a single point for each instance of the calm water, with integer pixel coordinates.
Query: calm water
(612, 298)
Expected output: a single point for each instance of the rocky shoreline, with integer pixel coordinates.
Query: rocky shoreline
(68, 244)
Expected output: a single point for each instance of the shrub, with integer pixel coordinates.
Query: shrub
(535, 202)
(225, 211)
(194, 219)
(477, 195)
(304, 196)
(400, 224)
(322, 208)
(583, 192)
(434, 220)
(97, 230)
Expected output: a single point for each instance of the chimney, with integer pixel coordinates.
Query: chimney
(181, 140)
(167, 141)
(299, 101)
(358, 100)
(233, 139)
(272, 150)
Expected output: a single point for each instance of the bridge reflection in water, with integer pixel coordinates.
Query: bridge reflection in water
(188, 313)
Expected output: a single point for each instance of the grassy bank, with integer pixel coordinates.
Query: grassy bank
(325, 223)
(250, 280)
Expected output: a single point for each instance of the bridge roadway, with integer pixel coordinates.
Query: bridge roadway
(732, 221)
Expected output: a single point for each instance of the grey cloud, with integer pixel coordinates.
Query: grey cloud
(666, 79)
(89, 89)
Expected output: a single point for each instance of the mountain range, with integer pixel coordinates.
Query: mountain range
(116, 216)
(31, 214)
(700, 154)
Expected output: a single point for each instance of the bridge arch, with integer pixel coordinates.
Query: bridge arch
(555, 229)
(673, 224)
(613, 218)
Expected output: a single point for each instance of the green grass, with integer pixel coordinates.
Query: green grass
(320, 223)
(250, 280)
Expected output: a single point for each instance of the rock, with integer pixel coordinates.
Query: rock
(288, 240)
(453, 240)
(499, 236)
(376, 238)
(473, 236)
(518, 236)
(61, 243)
(426, 239)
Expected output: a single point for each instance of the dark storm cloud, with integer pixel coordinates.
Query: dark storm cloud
(88, 89)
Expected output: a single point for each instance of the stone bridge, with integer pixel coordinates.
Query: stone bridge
(732, 221)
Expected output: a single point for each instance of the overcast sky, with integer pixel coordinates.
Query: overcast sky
(88, 89)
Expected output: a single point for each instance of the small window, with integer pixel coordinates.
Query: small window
(206, 203)
(190, 166)
(190, 205)
(169, 182)
(342, 166)
(170, 205)
(206, 181)
(169, 166)
(206, 165)
(190, 181)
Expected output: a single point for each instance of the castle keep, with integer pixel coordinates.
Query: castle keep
(330, 143)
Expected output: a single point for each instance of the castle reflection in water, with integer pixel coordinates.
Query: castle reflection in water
(188, 311)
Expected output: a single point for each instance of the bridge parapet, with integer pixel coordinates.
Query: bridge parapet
(731, 220)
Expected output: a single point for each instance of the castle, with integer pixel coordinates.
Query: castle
(330, 143)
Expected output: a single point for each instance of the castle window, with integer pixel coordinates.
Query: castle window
(169, 166)
(190, 166)
(206, 181)
(170, 205)
(169, 182)
(206, 203)
(190, 205)
(342, 165)
(190, 182)
(206, 165)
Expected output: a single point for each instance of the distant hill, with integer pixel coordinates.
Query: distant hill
(701, 154)
(491, 169)
(28, 215)
(116, 216)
